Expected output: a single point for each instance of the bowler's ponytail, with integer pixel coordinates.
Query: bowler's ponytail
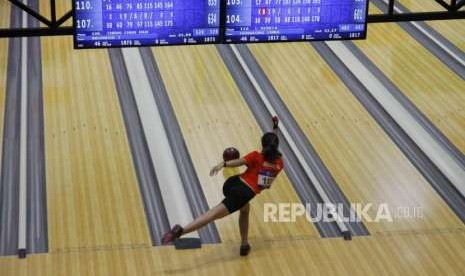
(270, 144)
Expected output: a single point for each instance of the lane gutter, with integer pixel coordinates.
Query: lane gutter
(9, 182)
(37, 228)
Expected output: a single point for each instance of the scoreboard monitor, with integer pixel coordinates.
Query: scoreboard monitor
(295, 20)
(120, 23)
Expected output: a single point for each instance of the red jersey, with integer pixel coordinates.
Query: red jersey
(259, 172)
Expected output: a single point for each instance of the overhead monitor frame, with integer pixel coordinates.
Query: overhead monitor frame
(308, 40)
(56, 25)
(222, 39)
(77, 47)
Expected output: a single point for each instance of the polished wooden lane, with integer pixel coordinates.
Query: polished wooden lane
(367, 165)
(435, 253)
(436, 90)
(92, 190)
(62, 7)
(4, 23)
(5, 7)
(213, 115)
(453, 30)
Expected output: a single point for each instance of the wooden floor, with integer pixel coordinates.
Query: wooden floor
(365, 163)
(4, 22)
(453, 30)
(62, 7)
(96, 220)
(213, 115)
(433, 253)
(92, 191)
(438, 92)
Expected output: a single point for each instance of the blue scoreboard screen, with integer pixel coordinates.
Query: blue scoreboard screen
(294, 20)
(119, 23)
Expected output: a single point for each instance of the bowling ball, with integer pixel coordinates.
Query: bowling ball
(230, 154)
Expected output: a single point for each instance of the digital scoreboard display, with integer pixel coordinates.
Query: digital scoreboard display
(123, 23)
(294, 20)
(119, 23)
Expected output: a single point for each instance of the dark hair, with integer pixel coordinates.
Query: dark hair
(270, 143)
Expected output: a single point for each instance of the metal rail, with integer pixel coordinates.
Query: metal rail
(54, 26)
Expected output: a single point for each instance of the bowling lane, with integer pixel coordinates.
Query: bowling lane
(367, 165)
(213, 115)
(62, 7)
(5, 7)
(92, 190)
(4, 23)
(436, 90)
(453, 30)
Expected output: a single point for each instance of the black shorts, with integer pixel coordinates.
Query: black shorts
(237, 194)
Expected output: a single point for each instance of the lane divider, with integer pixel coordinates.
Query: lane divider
(22, 235)
(192, 187)
(149, 188)
(171, 187)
